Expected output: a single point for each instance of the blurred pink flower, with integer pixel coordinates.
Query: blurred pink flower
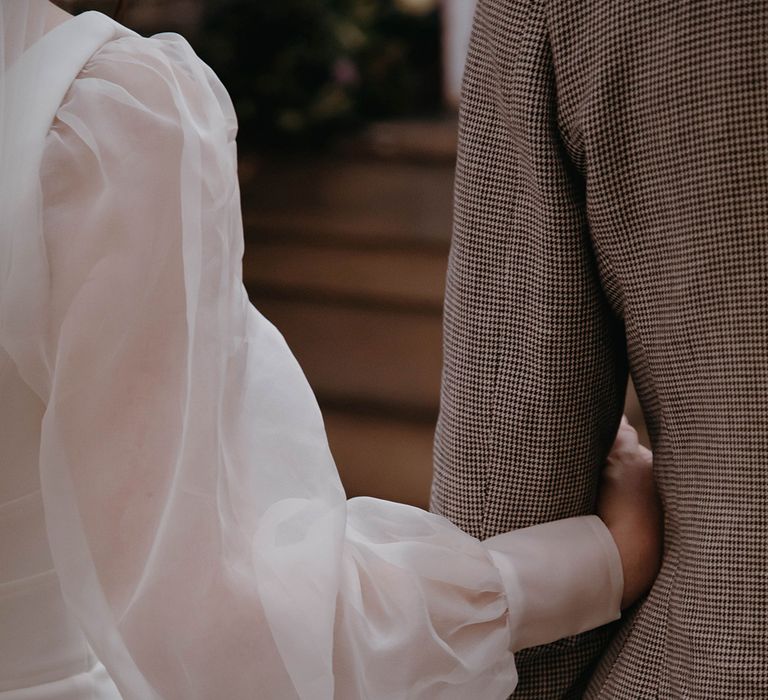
(345, 72)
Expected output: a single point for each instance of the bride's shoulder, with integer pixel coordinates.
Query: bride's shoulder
(162, 72)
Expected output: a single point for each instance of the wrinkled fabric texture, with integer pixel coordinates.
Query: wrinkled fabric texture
(171, 512)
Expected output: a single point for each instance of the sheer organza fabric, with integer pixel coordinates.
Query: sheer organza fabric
(197, 527)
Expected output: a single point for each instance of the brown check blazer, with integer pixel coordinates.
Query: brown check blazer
(611, 215)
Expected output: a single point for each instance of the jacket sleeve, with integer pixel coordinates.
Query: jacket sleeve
(535, 364)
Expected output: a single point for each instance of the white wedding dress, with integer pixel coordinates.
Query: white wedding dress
(172, 524)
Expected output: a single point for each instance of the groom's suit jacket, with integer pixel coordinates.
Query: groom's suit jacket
(611, 215)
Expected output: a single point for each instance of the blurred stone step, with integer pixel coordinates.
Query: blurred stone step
(365, 356)
(371, 202)
(402, 277)
(414, 140)
(382, 457)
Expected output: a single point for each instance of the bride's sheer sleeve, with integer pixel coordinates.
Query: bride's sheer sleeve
(196, 519)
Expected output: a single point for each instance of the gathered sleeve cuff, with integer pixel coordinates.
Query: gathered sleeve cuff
(565, 577)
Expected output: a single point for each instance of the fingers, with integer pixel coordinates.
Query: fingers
(627, 450)
(645, 455)
(626, 438)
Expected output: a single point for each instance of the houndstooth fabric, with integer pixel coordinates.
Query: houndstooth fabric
(611, 215)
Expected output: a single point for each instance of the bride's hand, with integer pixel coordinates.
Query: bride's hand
(629, 505)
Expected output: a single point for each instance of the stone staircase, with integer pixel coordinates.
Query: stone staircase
(346, 255)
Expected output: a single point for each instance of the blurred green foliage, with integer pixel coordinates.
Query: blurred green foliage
(302, 71)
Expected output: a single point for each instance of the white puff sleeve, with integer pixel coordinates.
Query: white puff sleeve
(197, 522)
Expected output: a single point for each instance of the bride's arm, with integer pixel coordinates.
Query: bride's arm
(155, 453)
